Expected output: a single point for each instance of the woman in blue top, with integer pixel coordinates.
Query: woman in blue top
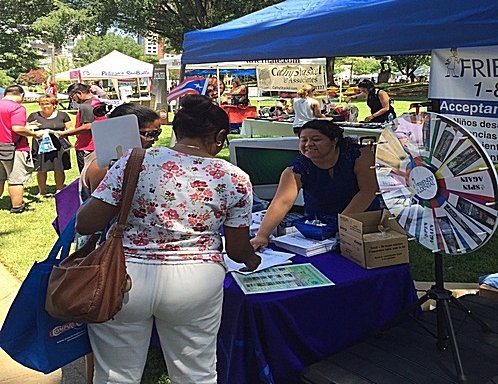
(336, 176)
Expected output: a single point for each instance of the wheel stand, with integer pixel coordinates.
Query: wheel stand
(445, 331)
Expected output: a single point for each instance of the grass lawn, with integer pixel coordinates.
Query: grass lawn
(29, 237)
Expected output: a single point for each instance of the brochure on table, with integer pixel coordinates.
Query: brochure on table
(269, 258)
(282, 278)
(296, 242)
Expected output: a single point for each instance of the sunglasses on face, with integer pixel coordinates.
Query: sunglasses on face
(151, 134)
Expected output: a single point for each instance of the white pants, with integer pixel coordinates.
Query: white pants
(185, 301)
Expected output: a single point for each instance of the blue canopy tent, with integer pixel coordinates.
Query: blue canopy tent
(328, 28)
(221, 71)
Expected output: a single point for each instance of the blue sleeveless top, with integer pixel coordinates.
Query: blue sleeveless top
(329, 191)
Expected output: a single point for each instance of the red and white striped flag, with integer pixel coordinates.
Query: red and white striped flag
(196, 85)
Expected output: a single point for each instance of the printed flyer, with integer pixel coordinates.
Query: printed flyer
(282, 278)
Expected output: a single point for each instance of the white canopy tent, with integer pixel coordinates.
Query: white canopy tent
(115, 65)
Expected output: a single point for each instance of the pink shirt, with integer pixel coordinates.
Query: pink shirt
(12, 113)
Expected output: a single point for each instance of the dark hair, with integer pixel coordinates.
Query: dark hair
(78, 87)
(15, 90)
(329, 129)
(145, 115)
(368, 84)
(198, 117)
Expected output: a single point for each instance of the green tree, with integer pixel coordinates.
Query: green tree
(65, 22)
(5, 80)
(93, 48)
(169, 19)
(407, 64)
(361, 65)
(16, 30)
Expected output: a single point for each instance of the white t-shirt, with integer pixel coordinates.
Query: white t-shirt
(180, 204)
(302, 111)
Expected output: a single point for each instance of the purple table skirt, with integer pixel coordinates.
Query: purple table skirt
(271, 337)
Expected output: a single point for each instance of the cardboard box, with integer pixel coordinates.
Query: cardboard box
(488, 291)
(362, 241)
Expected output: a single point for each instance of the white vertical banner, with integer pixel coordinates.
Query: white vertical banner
(465, 83)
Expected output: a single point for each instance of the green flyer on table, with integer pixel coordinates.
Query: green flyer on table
(282, 278)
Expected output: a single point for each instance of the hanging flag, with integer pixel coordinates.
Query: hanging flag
(196, 85)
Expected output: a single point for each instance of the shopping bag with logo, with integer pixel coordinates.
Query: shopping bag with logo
(29, 334)
(46, 145)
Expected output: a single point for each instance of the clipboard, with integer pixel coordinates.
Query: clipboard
(113, 137)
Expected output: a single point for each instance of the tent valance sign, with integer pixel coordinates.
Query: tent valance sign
(115, 65)
(332, 28)
(271, 75)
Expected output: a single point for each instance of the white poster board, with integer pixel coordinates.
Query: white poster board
(465, 82)
(113, 137)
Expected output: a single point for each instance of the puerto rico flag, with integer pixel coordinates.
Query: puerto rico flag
(195, 85)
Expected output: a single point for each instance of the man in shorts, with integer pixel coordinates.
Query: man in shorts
(80, 93)
(15, 171)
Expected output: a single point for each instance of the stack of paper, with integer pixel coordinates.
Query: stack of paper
(296, 242)
(257, 218)
(269, 258)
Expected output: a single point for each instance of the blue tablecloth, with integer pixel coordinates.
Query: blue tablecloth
(271, 337)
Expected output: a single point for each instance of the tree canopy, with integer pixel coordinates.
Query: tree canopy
(16, 30)
(170, 19)
(407, 64)
(56, 21)
(93, 48)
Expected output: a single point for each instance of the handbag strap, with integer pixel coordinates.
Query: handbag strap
(130, 180)
(63, 242)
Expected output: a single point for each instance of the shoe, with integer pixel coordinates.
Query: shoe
(45, 196)
(19, 209)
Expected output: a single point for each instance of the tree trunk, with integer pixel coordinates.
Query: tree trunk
(330, 69)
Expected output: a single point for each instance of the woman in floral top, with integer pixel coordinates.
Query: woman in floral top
(173, 247)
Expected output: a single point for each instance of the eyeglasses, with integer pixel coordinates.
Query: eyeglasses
(151, 134)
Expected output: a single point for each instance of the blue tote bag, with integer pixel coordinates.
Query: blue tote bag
(29, 334)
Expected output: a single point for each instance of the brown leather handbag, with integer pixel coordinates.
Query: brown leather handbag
(88, 286)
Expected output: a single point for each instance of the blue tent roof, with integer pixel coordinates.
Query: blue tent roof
(328, 28)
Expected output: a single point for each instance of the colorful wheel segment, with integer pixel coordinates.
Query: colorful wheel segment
(438, 182)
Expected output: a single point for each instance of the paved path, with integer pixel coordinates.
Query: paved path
(13, 373)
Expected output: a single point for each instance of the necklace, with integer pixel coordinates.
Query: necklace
(188, 146)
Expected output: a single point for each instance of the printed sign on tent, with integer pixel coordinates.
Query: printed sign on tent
(291, 77)
(465, 83)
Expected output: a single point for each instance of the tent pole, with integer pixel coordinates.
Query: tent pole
(218, 83)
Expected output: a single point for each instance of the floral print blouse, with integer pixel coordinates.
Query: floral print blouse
(179, 206)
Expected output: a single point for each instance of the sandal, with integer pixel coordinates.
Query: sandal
(19, 209)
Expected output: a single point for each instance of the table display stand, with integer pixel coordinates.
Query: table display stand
(445, 330)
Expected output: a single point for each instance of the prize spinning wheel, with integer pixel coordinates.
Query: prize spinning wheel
(441, 187)
(438, 182)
